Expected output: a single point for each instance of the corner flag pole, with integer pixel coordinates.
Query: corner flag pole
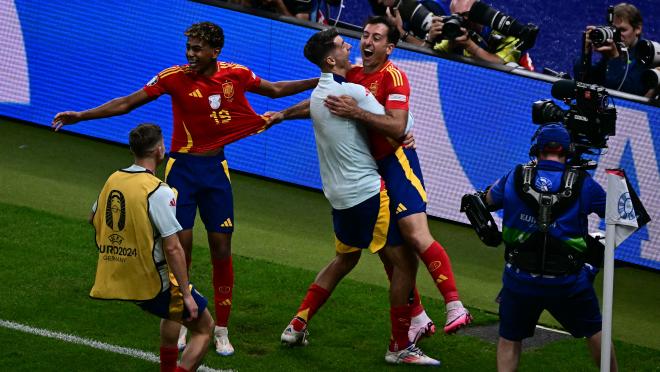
(608, 294)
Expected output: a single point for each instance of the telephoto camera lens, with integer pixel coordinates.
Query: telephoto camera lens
(651, 79)
(483, 14)
(648, 53)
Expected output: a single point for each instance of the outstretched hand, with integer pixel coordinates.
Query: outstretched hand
(344, 106)
(273, 117)
(64, 118)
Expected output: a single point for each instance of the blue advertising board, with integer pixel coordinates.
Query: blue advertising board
(472, 123)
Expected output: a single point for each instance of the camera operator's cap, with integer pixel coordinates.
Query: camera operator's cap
(553, 133)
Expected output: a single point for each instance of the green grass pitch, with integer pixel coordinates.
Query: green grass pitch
(48, 182)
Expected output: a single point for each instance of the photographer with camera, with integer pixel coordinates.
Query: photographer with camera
(619, 68)
(411, 17)
(476, 30)
(546, 203)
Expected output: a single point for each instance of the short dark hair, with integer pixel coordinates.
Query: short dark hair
(393, 34)
(629, 13)
(320, 45)
(144, 138)
(208, 32)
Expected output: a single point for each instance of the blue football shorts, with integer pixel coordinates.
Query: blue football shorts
(404, 181)
(365, 226)
(202, 182)
(169, 304)
(574, 306)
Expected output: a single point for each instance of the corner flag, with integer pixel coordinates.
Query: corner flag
(624, 214)
(623, 208)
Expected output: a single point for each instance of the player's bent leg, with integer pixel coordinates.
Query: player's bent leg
(295, 333)
(401, 350)
(415, 231)
(421, 325)
(594, 345)
(508, 355)
(200, 335)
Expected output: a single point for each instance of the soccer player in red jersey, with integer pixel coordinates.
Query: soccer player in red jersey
(399, 166)
(210, 110)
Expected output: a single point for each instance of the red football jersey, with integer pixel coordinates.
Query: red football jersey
(209, 112)
(390, 87)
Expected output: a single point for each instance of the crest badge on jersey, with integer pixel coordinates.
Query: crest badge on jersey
(228, 90)
(373, 88)
(214, 101)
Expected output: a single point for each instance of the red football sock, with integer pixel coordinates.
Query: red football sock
(437, 262)
(415, 301)
(168, 358)
(400, 319)
(181, 369)
(223, 286)
(314, 299)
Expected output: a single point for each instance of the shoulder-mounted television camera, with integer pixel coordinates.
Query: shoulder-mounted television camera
(590, 118)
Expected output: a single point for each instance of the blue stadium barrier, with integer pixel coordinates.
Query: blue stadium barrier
(472, 123)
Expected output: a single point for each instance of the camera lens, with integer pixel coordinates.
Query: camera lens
(600, 35)
(651, 79)
(451, 28)
(648, 53)
(546, 111)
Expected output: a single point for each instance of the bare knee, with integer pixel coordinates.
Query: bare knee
(202, 326)
(346, 262)
(415, 232)
(219, 245)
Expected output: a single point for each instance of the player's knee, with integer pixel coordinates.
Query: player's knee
(203, 326)
(346, 262)
(415, 232)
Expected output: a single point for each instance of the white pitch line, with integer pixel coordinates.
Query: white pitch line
(552, 330)
(134, 353)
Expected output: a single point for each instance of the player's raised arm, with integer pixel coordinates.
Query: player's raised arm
(114, 107)
(284, 88)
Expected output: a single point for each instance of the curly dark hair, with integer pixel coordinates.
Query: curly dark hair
(208, 32)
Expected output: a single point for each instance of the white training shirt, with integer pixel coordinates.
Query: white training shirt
(162, 213)
(348, 170)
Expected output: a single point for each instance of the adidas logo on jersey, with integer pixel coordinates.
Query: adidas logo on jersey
(195, 93)
(400, 208)
(227, 223)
